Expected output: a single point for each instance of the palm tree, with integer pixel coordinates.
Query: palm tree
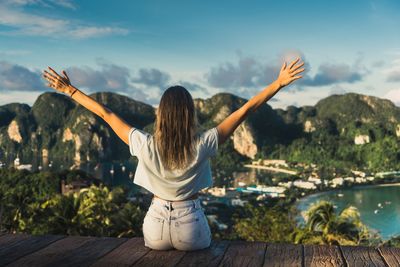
(324, 226)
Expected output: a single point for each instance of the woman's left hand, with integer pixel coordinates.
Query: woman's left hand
(60, 83)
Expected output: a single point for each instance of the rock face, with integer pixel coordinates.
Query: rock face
(361, 139)
(308, 127)
(67, 135)
(398, 130)
(256, 130)
(243, 141)
(14, 132)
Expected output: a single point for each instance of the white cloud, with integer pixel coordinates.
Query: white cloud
(20, 22)
(393, 76)
(329, 74)
(13, 52)
(88, 32)
(19, 78)
(394, 96)
(46, 3)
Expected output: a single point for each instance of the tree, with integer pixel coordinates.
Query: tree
(265, 224)
(324, 226)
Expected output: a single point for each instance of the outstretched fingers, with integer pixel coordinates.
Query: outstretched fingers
(51, 76)
(65, 74)
(297, 77)
(54, 72)
(283, 66)
(48, 77)
(296, 67)
(293, 63)
(297, 71)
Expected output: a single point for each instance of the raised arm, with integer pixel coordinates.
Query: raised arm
(63, 84)
(287, 75)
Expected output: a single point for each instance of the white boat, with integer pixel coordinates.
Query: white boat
(340, 195)
(376, 211)
(16, 161)
(24, 167)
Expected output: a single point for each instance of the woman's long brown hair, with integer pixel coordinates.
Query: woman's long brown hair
(176, 128)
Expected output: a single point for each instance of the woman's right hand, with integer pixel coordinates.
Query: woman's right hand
(289, 73)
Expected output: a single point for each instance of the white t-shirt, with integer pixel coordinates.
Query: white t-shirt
(176, 184)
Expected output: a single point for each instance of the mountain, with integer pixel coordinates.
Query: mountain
(350, 130)
(58, 127)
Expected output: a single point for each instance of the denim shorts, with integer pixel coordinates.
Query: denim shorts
(181, 225)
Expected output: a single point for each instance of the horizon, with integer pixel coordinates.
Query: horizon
(140, 49)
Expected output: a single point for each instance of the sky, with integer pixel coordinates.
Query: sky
(140, 48)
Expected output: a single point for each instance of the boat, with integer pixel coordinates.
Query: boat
(17, 161)
(376, 211)
(24, 167)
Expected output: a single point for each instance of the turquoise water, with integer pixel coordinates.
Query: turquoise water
(379, 206)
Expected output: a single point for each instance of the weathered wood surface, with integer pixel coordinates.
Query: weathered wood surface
(241, 253)
(391, 256)
(210, 257)
(124, 255)
(285, 255)
(324, 256)
(56, 250)
(362, 256)
(9, 252)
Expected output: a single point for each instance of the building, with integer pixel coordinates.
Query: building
(74, 186)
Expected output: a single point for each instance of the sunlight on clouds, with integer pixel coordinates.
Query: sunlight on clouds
(24, 23)
(394, 96)
(88, 32)
(45, 3)
(19, 97)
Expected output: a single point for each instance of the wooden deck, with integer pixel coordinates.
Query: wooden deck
(56, 250)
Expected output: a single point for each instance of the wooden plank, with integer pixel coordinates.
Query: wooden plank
(8, 239)
(362, 256)
(328, 256)
(88, 252)
(164, 258)
(210, 256)
(12, 251)
(125, 255)
(283, 255)
(391, 256)
(52, 253)
(242, 253)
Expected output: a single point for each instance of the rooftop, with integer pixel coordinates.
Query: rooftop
(58, 250)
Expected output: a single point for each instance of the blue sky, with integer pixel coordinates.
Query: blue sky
(140, 48)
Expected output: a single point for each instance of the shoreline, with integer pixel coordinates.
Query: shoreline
(348, 188)
(301, 203)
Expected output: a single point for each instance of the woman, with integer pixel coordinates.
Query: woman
(174, 163)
